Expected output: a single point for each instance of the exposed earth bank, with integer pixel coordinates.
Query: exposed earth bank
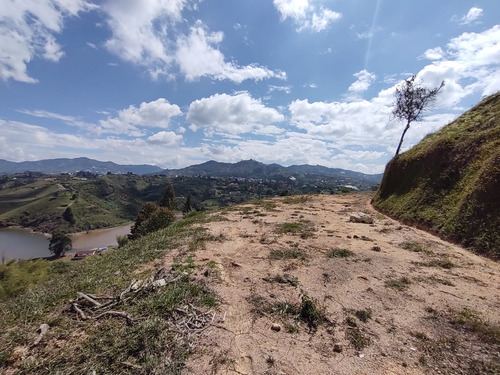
(306, 291)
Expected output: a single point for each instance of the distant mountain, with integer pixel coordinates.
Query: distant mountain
(55, 166)
(257, 170)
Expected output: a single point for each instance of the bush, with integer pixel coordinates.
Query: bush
(150, 219)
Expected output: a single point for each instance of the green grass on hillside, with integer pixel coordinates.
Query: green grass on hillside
(450, 181)
(108, 345)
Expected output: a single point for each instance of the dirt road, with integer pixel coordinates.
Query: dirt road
(305, 291)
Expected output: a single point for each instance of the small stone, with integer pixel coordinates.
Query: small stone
(337, 348)
(276, 327)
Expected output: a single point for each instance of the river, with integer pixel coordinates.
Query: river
(22, 244)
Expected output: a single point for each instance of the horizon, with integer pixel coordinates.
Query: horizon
(192, 165)
(176, 83)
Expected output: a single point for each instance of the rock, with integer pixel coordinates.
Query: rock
(337, 348)
(276, 327)
(361, 217)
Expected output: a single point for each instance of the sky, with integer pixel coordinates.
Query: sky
(174, 83)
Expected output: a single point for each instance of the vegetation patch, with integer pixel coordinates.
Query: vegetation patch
(135, 335)
(283, 279)
(400, 283)
(292, 253)
(454, 333)
(450, 181)
(339, 253)
(296, 200)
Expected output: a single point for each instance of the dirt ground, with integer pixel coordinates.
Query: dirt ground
(305, 291)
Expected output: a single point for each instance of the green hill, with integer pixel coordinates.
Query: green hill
(450, 182)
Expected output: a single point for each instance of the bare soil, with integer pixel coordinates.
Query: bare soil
(294, 301)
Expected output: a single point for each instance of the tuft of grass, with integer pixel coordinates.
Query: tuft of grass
(292, 253)
(401, 283)
(443, 263)
(416, 247)
(340, 253)
(364, 315)
(356, 337)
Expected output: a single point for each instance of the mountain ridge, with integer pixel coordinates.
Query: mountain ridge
(242, 169)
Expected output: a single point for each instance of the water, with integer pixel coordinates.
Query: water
(22, 244)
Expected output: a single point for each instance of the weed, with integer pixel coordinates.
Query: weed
(340, 253)
(376, 248)
(416, 247)
(270, 361)
(364, 315)
(292, 253)
(309, 312)
(443, 263)
(357, 339)
(401, 283)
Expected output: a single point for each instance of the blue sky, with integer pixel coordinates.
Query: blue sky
(179, 82)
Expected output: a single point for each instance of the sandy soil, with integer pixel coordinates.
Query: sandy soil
(412, 299)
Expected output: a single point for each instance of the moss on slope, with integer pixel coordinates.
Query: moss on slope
(450, 181)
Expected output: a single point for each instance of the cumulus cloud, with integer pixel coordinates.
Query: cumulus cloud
(144, 33)
(165, 138)
(140, 30)
(306, 15)
(471, 63)
(155, 114)
(233, 114)
(363, 82)
(197, 57)
(472, 15)
(27, 31)
(433, 54)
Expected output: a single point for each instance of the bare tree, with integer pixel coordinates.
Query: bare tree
(412, 101)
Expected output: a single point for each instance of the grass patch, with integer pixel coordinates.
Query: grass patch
(296, 200)
(364, 315)
(401, 283)
(339, 253)
(108, 345)
(438, 262)
(357, 339)
(416, 247)
(303, 228)
(283, 279)
(292, 253)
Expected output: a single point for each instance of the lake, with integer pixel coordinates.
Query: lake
(22, 244)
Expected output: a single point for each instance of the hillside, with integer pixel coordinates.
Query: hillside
(450, 182)
(278, 286)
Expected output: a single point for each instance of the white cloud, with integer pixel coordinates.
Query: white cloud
(433, 54)
(363, 82)
(472, 15)
(27, 31)
(306, 15)
(155, 114)
(470, 64)
(144, 33)
(140, 31)
(197, 57)
(166, 138)
(234, 114)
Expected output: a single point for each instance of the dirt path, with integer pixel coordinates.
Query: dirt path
(305, 291)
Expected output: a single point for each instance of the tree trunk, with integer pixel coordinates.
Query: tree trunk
(402, 136)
